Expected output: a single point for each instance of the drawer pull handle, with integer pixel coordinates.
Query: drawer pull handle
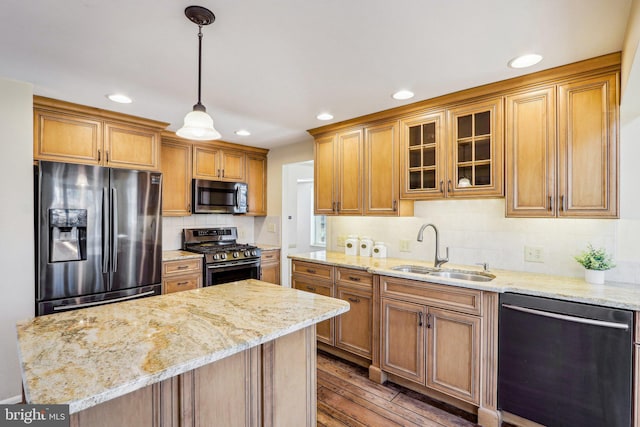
(311, 288)
(311, 270)
(354, 278)
(183, 267)
(356, 300)
(420, 319)
(429, 320)
(182, 283)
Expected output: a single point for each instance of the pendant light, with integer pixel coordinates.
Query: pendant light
(198, 124)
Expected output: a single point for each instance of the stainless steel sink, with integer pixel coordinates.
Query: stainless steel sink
(413, 269)
(472, 276)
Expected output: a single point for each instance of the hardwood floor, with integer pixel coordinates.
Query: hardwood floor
(346, 397)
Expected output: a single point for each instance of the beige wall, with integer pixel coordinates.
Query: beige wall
(16, 222)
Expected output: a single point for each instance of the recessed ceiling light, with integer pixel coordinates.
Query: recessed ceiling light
(402, 94)
(120, 98)
(525, 60)
(324, 116)
(242, 132)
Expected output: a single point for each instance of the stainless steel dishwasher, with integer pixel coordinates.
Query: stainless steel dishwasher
(564, 363)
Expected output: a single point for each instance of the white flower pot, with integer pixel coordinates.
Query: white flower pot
(595, 277)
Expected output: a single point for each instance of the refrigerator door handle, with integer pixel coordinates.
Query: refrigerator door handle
(114, 229)
(105, 231)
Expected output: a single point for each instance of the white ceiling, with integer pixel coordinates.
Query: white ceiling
(270, 66)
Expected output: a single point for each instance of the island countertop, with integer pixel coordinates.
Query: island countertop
(86, 357)
(611, 294)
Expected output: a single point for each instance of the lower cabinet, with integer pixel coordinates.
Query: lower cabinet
(428, 344)
(270, 266)
(181, 275)
(352, 331)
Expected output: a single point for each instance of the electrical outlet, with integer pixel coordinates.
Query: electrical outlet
(242, 234)
(533, 254)
(405, 245)
(341, 240)
(271, 227)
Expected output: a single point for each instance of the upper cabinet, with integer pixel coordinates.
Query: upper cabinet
(562, 149)
(65, 132)
(548, 140)
(338, 173)
(218, 164)
(357, 173)
(184, 160)
(256, 184)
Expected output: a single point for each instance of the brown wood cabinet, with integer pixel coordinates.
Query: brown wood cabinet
(562, 150)
(176, 171)
(428, 336)
(256, 184)
(218, 164)
(181, 275)
(351, 332)
(338, 174)
(382, 172)
(270, 266)
(72, 133)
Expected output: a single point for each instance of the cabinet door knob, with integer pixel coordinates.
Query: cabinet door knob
(311, 288)
(311, 270)
(441, 186)
(550, 204)
(449, 187)
(562, 208)
(182, 267)
(354, 278)
(182, 283)
(99, 155)
(395, 205)
(420, 319)
(429, 320)
(356, 300)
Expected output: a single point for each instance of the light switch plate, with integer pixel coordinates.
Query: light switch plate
(534, 254)
(271, 227)
(341, 240)
(405, 245)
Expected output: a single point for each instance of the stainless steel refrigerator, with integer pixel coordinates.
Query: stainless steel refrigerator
(98, 235)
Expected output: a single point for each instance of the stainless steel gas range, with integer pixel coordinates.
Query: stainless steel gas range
(225, 260)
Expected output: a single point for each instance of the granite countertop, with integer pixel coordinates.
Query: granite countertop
(611, 294)
(178, 255)
(86, 357)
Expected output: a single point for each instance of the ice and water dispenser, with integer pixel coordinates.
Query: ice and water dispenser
(67, 235)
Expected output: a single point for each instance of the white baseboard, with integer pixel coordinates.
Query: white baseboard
(11, 400)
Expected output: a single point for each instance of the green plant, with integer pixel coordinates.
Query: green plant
(595, 259)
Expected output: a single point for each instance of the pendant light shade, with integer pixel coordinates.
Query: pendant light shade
(198, 125)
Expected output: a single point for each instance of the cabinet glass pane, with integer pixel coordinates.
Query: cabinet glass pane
(429, 156)
(464, 126)
(414, 158)
(483, 175)
(414, 180)
(483, 149)
(464, 152)
(429, 133)
(429, 179)
(414, 136)
(465, 172)
(483, 123)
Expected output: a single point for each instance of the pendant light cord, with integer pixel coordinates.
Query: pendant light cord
(199, 106)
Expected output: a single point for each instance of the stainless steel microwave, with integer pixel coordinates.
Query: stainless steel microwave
(218, 197)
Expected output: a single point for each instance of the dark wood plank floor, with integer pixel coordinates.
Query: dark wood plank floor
(346, 397)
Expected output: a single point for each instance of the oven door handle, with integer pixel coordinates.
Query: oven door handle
(255, 262)
(574, 319)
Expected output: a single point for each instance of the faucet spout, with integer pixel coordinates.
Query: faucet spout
(437, 261)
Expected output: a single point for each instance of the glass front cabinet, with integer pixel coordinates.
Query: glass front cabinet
(460, 159)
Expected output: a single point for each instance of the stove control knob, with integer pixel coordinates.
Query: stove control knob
(223, 256)
(236, 254)
(247, 253)
(216, 256)
(254, 253)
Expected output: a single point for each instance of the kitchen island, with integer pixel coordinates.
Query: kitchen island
(242, 353)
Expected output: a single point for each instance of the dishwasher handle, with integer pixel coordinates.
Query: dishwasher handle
(574, 319)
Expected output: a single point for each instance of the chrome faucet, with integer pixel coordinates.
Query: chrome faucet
(438, 261)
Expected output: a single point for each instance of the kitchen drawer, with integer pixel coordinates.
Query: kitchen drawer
(451, 297)
(182, 283)
(270, 256)
(182, 266)
(354, 277)
(319, 271)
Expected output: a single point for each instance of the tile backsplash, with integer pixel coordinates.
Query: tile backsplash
(172, 227)
(477, 231)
